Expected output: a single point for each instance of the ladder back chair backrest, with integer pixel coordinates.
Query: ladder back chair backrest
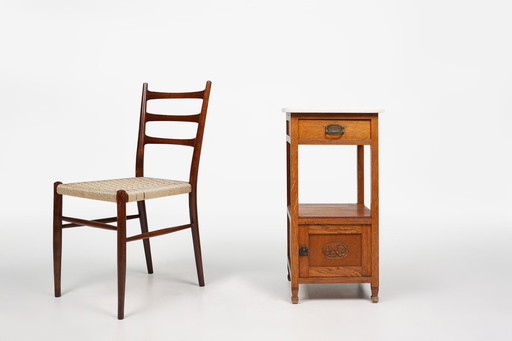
(196, 142)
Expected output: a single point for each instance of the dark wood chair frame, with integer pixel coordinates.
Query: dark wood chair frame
(122, 196)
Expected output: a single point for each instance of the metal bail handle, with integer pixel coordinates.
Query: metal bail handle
(334, 130)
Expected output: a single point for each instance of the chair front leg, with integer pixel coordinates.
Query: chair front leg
(122, 198)
(57, 238)
(195, 236)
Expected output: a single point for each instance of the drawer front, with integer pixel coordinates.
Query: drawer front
(335, 251)
(334, 131)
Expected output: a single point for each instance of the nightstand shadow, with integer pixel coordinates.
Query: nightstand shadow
(335, 291)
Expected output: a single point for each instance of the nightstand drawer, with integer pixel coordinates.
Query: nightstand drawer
(334, 131)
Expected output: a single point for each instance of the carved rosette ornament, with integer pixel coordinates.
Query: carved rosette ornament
(335, 250)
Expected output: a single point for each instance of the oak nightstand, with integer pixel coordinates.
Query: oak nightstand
(333, 243)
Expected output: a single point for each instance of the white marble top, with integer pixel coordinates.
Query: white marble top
(332, 110)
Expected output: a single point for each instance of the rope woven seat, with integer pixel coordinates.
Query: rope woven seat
(138, 188)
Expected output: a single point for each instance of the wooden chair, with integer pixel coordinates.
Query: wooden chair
(137, 189)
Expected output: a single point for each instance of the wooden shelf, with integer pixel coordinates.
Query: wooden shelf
(334, 214)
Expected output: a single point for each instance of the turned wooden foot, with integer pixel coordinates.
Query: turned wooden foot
(375, 294)
(295, 295)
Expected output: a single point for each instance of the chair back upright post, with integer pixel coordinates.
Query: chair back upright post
(196, 142)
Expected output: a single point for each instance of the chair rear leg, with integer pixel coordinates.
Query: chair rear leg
(195, 237)
(122, 198)
(141, 205)
(57, 238)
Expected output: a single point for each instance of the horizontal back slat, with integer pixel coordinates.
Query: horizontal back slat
(183, 118)
(160, 95)
(161, 140)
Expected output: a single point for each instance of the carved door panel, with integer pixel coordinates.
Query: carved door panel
(335, 250)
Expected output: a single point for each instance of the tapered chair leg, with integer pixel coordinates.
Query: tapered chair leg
(122, 198)
(57, 238)
(195, 237)
(141, 205)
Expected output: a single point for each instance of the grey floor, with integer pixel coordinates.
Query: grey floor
(446, 282)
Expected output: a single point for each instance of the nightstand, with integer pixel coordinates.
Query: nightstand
(333, 243)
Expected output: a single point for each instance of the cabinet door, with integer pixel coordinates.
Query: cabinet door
(335, 250)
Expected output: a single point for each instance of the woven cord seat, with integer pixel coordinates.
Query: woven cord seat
(138, 188)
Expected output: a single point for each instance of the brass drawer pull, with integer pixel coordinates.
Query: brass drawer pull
(334, 130)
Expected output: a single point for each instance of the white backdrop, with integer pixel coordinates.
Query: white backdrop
(72, 73)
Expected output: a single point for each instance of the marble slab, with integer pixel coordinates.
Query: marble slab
(305, 110)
